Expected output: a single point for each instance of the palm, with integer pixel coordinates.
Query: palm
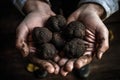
(96, 38)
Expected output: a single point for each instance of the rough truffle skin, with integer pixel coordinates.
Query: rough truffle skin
(75, 29)
(41, 35)
(46, 51)
(74, 49)
(58, 41)
(56, 23)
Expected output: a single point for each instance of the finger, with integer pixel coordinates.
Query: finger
(97, 27)
(42, 63)
(21, 39)
(70, 19)
(32, 49)
(56, 58)
(90, 48)
(56, 67)
(69, 65)
(73, 17)
(102, 47)
(89, 44)
(90, 37)
(62, 72)
(82, 61)
(102, 40)
(31, 45)
(62, 61)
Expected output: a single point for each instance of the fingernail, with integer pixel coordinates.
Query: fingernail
(63, 73)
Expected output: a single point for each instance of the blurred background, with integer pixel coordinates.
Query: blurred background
(12, 65)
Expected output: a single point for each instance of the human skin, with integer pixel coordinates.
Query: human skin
(38, 13)
(89, 14)
(96, 35)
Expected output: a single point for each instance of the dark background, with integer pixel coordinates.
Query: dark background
(12, 65)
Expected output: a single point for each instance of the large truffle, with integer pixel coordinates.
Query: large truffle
(41, 35)
(56, 23)
(74, 49)
(75, 29)
(46, 51)
(58, 41)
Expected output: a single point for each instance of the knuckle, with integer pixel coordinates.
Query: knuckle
(68, 68)
(50, 69)
(62, 62)
(77, 64)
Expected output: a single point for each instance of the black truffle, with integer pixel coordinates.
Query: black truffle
(58, 41)
(56, 23)
(75, 29)
(46, 51)
(41, 35)
(74, 49)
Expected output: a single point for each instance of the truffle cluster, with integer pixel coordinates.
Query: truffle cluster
(56, 36)
(74, 34)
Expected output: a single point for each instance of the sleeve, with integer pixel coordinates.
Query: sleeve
(110, 6)
(19, 4)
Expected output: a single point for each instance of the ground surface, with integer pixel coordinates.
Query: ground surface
(12, 64)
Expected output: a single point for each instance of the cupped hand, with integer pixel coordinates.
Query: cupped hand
(32, 20)
(96, 38)
(35, 18)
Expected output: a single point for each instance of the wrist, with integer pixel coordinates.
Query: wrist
(35, 5)
(92, 8)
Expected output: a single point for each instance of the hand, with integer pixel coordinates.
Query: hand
(96, 38)
(37, 14)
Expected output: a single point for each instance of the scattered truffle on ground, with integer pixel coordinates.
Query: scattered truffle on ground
(41, 35)
(74, 49)
(58, 41)
(47, 51)
(56, 23)
(75, 29)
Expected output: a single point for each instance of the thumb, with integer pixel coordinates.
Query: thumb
(21, 35)
(102, 40)
(73, 17)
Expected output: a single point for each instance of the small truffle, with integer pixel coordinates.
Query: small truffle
(41, 35)
(56, 23)
(74, 49)
(75, 29)
(58, 41)
(46, 51)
